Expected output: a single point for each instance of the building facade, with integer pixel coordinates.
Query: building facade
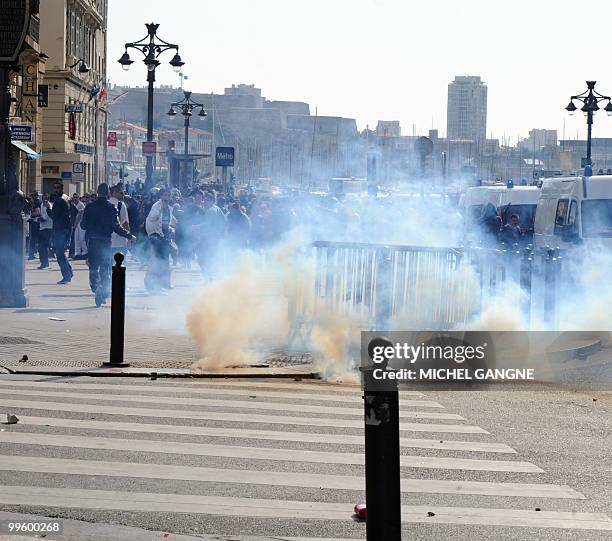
(467, 109)
(73, 35)
(25, 114)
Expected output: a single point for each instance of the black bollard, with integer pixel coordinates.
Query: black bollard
(382, 456)
(117, 334)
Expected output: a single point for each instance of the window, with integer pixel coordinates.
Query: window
(561, 215)
(597, 218)
(571, 220)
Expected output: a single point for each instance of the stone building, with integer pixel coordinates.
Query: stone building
(73, 35)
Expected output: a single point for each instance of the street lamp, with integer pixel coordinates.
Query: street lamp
(186, 107)
(590, 99)
(83, 67)
(151, 46)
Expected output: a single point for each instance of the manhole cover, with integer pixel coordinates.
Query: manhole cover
(16, 340)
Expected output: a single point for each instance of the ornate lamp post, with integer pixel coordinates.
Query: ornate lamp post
(590, 99)
(151, 46)
(187, 106)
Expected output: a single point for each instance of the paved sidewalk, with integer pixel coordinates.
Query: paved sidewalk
(62, 326)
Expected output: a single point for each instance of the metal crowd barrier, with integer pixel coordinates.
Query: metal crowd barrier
(416, 287)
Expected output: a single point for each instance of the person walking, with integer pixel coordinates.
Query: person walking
(160, 224)
(211, 233)
(34, 224)
(238, 228)
(118, 243)
(80, 245)
(45, 231)
(100, 221)
(60, 212)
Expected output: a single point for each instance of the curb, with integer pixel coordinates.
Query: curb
(162, 373)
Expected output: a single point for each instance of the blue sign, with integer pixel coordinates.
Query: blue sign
(73, 108)
(21, 133)
(67, 174)
(85, 149)
(224, 157)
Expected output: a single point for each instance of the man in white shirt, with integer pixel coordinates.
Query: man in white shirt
(119, 244)
(160, 226)
(46, 230)
(80, 245)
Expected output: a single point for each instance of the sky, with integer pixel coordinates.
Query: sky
(384, 59)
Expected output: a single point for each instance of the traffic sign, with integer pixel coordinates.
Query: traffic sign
(112, 138)
(149, 148)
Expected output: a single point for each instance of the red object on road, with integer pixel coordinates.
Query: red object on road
(361, 511)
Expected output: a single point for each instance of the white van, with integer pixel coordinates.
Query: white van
(575, 210)
(520, 200)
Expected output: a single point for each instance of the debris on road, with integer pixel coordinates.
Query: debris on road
(23, 359)
(361, 510)
(56, 319)
(431, 514)
(11, 419)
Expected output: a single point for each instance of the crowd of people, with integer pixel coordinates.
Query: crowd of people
(163, 227)
(157, 229)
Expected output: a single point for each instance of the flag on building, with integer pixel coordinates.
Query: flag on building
(102, 94)
(94, 91)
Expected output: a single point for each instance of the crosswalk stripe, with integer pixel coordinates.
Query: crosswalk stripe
(257, 453)
(237, 404)
(231, 417)
(287, 509)
(342, 439)
(208, 390)
(273, 478)
(347, 390)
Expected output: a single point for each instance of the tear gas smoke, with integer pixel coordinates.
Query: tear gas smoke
(268, 300)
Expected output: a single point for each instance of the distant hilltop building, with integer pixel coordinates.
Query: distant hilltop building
(388, 128)
(467, 109)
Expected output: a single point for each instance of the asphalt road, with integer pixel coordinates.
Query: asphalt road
(282, 459)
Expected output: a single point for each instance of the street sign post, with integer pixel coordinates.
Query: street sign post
(112, 138)
(78, 171)
(224, 157)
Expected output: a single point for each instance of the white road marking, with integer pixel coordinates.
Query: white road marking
(342, 439)
(230, 417)
(275, 478)
(232, 404)
(346, 390)
(207, 390)
(282, 509)
(257, 453)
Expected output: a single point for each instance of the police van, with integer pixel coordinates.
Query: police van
(507, 199)
(573, 211)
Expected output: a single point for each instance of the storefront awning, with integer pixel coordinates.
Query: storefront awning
(31, 154)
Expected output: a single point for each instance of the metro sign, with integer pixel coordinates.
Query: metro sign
(224, 157)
